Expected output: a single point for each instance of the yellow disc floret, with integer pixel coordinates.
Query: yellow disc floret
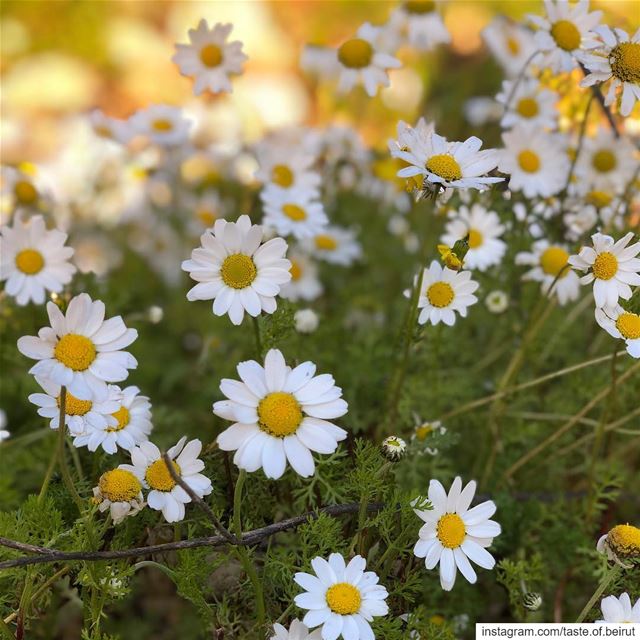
(529, 161)
(344, 599)
(162, 125)
(566, 35)
(238, 271)
(279, 414)
(75, 407)
(451, 530)
(282, 175)
(604, 161)
(75, 351)
(624, 539)
(599, 199)
(355, 53)
(628, 324)
(553, 261)
(325, 242)
(25, 192)
(513, 46)
(440, 294)
(625, 62)
(123, 416)
(119, 485)
(211, 55)
(527, 108)
(419, 6)
(445, 166)
(29, 261)
(605, 266)
(293, 211)
(423, 431)
(295, 270)
(475, 239)
(158, 476)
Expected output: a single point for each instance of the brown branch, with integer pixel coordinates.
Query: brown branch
(23, 546)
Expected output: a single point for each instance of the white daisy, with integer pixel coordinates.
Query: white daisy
(497, 301)
(206, 209)
(623, 325)
(619, 610)
(304, 283)
(420, 23)
(293, 212)
(528, 103)
(22, 189)
(612, 266)
(510, 43)
(130, 424)
(286, 166)
(550, 264)
(336, 245)
(108, 128)
(565, 33)
(81, 350)
(360, 61)
(617, 59)
(234, 269)
(444, 292)
(33, 260)
(305, 320)
(210, 59)
(537, 161)
(484, 230)
(165, 493)
(280, 414)
(297, 631)
(341, 598)
(120, 491)
(453, 534)
(162, 124)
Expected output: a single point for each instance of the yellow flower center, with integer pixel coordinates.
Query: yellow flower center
(440, 294)
(355, 53)
(206, 216)
(211, 55)
(513, 46)
(75, 407)
(625, 62)
(163, 125)
(344, 599)
(295, 270)
(103, 131)
(279, 414)
(423, 431)
(25, 192)
(553, 260)
(119, 485)
(605, 266)
(419, 6)
(445, 166)
(158, 476)
(625, 540)
(527, 107)
(293, 211)
(123, 416)
(450, 530)
(29, 261)
(475, 239)
(599, 199)
(604, 161)
(325, 242)
(282, 175)
(238, 271)
(529, 161)
(628, 324)
(566, 35)
(437, 619)
(75, 351)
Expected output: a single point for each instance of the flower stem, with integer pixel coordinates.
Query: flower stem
(62, 460)
(613, 573)
(256, 333)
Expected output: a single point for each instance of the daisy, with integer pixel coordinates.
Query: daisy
(286, 166)
(280, 414)
(550, 264)
(165, 493)
(611, 266)
(621, 544)
(209, 58)
(528, 102)
(297, 631)
(341, 598)
(616, 60)
(336, 245)
(304, 283)
(511, 44)
(162, 124)
(119, 491)
(206, 209)
(293, 212)
(237, 271)
(21, 190)
(421, 24)
(33, 260)
(537, 161)
(81, 350)
(110, 129)
(130, 424)
(361, 62)
(484, 230)
(453, 534)
(623, 325)
(565, 33)
(305, 320)
(619, 610)
(393, 448)
(497, 301)
(444, 292)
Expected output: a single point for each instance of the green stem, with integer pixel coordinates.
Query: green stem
(62, 459)
(49, 473)
(613, 573)
(256, 333)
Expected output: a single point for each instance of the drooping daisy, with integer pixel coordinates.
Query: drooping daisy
(304, 283)
(33, 260)
(420, 23)
(342, 598)
(165, 493)
(497, 301)
(120, 491)
(623, 325)
(443, 293)
(162, 124)
(297, 631)
(453, 534)
(528, 103)
(510, 43)
(286, 167)
(361, 62)
(280, 414)
(550, 264)
(336, 245)
(81, 350)
(619, 610)
(612, 266)
(565, 34)
(293, 212)
(234, 269)
(537, 161)
(210, 59)
(484, 230)
(617, 59)
(621, 544)
(109, 128)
